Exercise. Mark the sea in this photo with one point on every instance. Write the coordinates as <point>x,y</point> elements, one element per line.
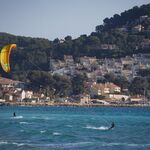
<point>74,128</point>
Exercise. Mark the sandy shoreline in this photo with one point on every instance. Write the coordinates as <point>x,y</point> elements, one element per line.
<point>73,104</point>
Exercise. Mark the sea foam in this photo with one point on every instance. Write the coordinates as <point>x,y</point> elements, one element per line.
<point>3,142</point>
<point>17,117</point>
<point>42,131</point>
<point>56,133</point>
<point>24,123</point>
<point>97,128</point>
<point>125,144</point>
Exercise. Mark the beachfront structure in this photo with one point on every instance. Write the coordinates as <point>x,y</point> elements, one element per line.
<point>137,98</point>
<point>116,97</point>
<point>21,95</point>
<point>13,95</point>
<point>39,97</point>
<point>97,101</point>
<point>100,89</point>
<point>85,99</point>
<point>8,97</point>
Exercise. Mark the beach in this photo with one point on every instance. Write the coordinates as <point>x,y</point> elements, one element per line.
<point>69,104</point>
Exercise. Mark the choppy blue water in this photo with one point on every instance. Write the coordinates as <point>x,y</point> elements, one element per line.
<point>72,128</point>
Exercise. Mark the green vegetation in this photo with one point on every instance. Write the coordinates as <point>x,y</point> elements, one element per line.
<point>125,18</point>
<point>56,85</point>
<point>115,38</point>
<point>138,85</point>
<point>78,84</point>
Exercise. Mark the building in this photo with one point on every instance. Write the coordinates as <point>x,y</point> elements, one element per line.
<point>137,28</point>
<point>137,98</point>
<point>99,89</point>
<point>87,61</point>
<point>69,61</point>
<point>85,99</point>
<point>120,97</point>
<point>22,95</point>
<point>108,46</point>
<point>127,67</point>
<point>8,83</point>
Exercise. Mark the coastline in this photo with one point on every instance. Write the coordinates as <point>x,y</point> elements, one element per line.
<point>72,104</point>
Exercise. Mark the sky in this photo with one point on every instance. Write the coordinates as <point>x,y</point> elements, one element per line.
<point>58,18</point>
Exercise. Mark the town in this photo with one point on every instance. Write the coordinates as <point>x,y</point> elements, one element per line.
<point>97,92</point>
<point>109,67</point>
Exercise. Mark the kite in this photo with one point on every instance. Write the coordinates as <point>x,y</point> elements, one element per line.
<point>5,55</point>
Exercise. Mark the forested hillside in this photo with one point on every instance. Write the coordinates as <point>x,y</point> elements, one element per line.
<point>121,35</point>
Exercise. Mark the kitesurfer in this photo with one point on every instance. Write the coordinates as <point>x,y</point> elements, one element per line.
<point>14,114</point>
<point>112,126</point>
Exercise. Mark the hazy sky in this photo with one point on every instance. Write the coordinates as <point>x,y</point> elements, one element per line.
<point>58,18</point>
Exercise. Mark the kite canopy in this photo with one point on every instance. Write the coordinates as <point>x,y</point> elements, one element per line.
<point>5,55</point>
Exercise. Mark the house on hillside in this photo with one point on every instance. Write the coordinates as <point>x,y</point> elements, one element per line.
<point>108,46</point>
<point>127,67</point>
<point>8,97</point>
<point>39,97</point>
<point>8,83</point>
<point>100,89</point>
<point>56,64</point>
<point>8,94</point>
<point>87,61</point>
<point>20,96</point>
<point>137,28</point>
<point>69,61</point>
<point>142,18</point>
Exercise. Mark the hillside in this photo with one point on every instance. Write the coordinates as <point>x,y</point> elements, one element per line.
<point>121,35</point>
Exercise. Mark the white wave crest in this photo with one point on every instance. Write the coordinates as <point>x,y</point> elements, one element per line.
<point>64,145</point>
<point>97,128</point>
<point>56,133</point>
<point>18,144</point>
<point>126,144</point>
<point>42,131</point>
<point>24,123</point>
<point>3,142</point>
<point>73,145</point>
<point>17,117</point>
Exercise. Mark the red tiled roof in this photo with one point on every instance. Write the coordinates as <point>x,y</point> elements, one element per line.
<point>8,81</point>
<point>106,85</point>
<point>137,96</point>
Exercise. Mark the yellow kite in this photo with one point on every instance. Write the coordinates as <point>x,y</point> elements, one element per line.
<point>5,55</point>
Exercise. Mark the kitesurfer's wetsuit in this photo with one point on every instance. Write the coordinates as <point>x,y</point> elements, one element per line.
<point>112,126</point>
<point>14,114</point>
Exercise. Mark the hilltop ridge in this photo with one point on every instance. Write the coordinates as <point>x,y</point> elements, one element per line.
<point>119,36</point>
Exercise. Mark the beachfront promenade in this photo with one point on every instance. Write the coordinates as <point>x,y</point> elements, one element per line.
<point>71,104</point>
